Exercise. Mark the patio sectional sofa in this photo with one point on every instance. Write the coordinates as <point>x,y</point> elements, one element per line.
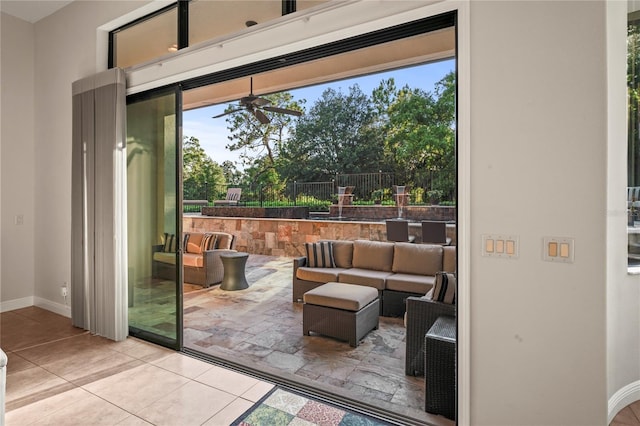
<point>201,257</point>
<point>397,270</point>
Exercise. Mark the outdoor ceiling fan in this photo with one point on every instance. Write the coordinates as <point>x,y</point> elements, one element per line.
<point>255,105</point>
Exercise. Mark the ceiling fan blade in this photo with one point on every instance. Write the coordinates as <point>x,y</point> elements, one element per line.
<point>283,110</point>
<point>227,113</point>
<point>261,117</point>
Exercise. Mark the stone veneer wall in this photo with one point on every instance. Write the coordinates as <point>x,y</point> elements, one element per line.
<point>286,237</point>
<point>417,213</point>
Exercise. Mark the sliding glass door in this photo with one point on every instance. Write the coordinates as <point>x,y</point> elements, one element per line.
<point>154,217</point>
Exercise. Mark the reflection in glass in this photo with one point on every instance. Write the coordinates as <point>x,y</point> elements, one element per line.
<point>146,40</point>
<point>152,216</point>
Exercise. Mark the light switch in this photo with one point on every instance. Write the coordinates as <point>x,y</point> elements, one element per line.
<point>488,245</point>
<point>500,246</point>
<point>558,249</point>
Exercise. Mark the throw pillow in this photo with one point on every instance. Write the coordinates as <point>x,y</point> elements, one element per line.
<point>320,255</point>
<point>444,289</point>
<point>208,242</point>
<point>169,243</point>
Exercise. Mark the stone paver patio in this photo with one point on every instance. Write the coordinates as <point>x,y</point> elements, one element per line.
<point>261,327</point>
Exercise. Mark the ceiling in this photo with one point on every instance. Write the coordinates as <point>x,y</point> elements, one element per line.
<point>428,47</point>
<point>32,10</point>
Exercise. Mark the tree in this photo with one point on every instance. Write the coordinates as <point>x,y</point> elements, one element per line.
<point>633,91</point>
<point>419,133</point>
<point>231,173</point>
<point>200,174</point>
<point>261,143</point>
<point>337,135</point>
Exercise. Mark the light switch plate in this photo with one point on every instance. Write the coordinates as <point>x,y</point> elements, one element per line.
<point>558,249</point>
<point>505,246</point>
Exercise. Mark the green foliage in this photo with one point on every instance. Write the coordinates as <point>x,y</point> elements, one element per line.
<point>259,141</point>
<point>419,132</point>
<point>337,135</point>
<point>231,173</point>
<point>633,90</point>
<point>434,196</point>
<point>407,131</point>
<point>200,173</point>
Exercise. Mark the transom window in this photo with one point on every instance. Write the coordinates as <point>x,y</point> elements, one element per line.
<point>186,23</point>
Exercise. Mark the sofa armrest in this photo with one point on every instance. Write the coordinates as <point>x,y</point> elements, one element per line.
<point>297,263</point>
<point>421,314</point>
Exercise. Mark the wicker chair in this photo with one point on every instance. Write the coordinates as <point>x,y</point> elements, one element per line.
<point>398,230</point>
<point>421,314</point>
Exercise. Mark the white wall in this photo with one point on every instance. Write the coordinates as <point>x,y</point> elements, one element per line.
<point>17,163</point>
<point>65,46</point>
<point>539,167</point>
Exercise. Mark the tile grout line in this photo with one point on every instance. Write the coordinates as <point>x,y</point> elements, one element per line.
<point>49,342</point>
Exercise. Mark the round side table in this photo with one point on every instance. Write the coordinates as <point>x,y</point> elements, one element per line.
<point>234,265</point>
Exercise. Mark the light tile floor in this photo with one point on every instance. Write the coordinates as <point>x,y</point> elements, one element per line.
<point>58,374</point>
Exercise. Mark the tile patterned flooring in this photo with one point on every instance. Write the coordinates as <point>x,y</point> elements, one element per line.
<point>58,374</point>
<point>261,327</point>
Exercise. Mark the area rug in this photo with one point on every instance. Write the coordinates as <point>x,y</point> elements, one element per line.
<point>281,407</point>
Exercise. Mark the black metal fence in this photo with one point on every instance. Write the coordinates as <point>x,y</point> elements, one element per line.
<point>368,188</point>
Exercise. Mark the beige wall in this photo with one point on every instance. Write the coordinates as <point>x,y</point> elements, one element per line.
<point>538,153</point>
<point>17,192</point>
<point>65,46</point>
<point>539,167</point>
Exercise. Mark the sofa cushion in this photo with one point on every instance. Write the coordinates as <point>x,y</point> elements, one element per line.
<point>320,255</point>
<point>366,277</point>
<point>374,255</point>
<point>194,260</point>
<point>193,242</point>
<point>170,244</point>
<point>163,257</point>
<point>449,262</point>
<point>444,289</point>
<point>199,242</point>
<point>224,240</point>
<point>208,242</point>
<point>318,275</point>
<point>341,296</point>
<point>409,283</point>
<point>419,259</point>
<point>343,253</point>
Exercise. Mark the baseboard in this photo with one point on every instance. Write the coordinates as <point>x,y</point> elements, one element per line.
<point>623,397</point>
<point>54,307</point>
<point>12,305</point>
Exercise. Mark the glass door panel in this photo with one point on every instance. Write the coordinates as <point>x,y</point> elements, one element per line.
<point>154,219</point>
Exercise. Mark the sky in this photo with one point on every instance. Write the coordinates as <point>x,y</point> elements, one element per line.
<point>212,132</point>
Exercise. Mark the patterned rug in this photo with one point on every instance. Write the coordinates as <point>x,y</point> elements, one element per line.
<point>281,407</point>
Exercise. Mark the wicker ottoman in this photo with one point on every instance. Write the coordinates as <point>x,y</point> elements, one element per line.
<point>440,367</point>
<point>343,311</point>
